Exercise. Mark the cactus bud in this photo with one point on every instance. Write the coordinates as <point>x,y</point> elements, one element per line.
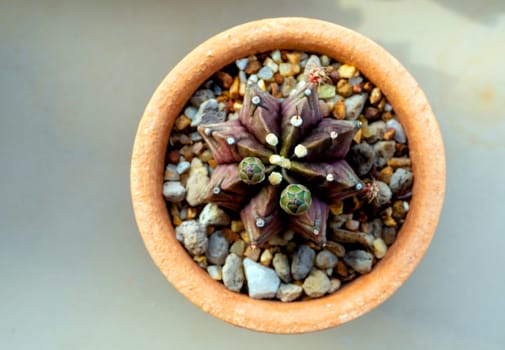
<point>295,199</point>
<point>251,170</point>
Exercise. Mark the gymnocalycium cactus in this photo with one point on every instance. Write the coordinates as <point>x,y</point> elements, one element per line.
<point>281,164</point>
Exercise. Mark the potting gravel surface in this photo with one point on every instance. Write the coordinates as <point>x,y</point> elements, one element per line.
<point>360,229</point>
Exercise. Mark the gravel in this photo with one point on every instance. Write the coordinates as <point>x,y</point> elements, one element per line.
<point>173,191</point>
<point>401,180</point>
<point>218,248</point>
<point>194,236</point>
<point>289,292</point>
<point>354,106</point>
<point>326,259</point>
<point>281,266</point>
<point>316,284</point>
<point>359,260</point>
<point>262,282</point>
<point>303,261</point>
<point>213,215</point>
<point>197,183</point>
<point>233,274</point>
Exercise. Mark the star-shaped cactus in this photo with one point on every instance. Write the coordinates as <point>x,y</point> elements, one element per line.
<point>281,164</point>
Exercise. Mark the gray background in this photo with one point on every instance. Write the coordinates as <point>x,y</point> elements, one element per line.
<point>74,80</point>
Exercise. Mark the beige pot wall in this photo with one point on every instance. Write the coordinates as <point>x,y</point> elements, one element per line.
<point>426,152</point>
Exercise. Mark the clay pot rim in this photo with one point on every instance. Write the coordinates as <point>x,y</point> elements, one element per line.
<point>426,151</point>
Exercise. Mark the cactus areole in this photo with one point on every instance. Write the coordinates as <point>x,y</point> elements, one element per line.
<point>281,164</point>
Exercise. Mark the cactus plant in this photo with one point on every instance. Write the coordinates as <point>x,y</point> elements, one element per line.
<point>281,164</point>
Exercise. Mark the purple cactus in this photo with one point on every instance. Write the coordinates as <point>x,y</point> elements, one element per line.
<point>281,164</point>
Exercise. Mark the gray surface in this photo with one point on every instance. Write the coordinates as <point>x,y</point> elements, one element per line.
<point>74,79</point>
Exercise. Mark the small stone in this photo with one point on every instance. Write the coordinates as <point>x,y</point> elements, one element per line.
<point>276,56</point>
<point>287,86</point>
<point>387,218</point>
<point>217,249</point>
<point>238,247</point>
<point>352,225</point>
<point>215,272</point>
<point>325,110</point>
<point>262,282</point>
<point>326,260</point>
<point>375,95</point>
<point>190,112</point>
<point>253,67</point>
<point>262,85</point>
<point>384,151</point>
<point>194,236</point>
<point>303,261</point>
<point>397,162</point>
<point>383,195</point>
<point>173,191</point>
<point>182,167</point>
<point>173,156</point>
<point>362,157</point>
<point>379,248</point>
<point>344,88</point>
<point>236,225</point>
<point>371,113</point>
<point>225,79</point>
<point>288,292</point>
<point>354,106</point>
<point>197,184</point>
<point>266,257</point>
<point>213,215</point>
<point>336,248</point>
<point>326,91</point>
<point>171,173</point>
<point>346,71</point>
<point>401,180</point>
<point>376,131</point>
<point>359,260</point>
<point>235,89</point>
<point>288,69</point>
<point>208,113</point>
<point>337,208</point>
<point>288,235</point>
<point>265,73</point>
<point>389,235</point>
<point>339,110</point>
<point>385,174</point>
<point>294,57</point>
<point>233,275</point>
<point>399,133</point>
<point>325,60</point>
<point>281,266</point>
<point>252,253</point>
<point>200,97</point>
<point>242,63</point>
<point>270,63</point>
<point>182,122</point>
<point>316,284</point>
<point>312,63</point>
<point>201,261</point>
<point>335,284</point>
<point>191,213</point>
<point>206,156</point>
<point>389,134</point>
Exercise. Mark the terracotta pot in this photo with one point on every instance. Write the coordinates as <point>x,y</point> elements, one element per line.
<point>426,152</point>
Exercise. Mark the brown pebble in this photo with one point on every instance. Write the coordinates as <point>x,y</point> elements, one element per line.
<point>210,229</point>
<point>400,209</point>
<point>387,218</point>
<point>176,220</point>
<point>229,235</point>
<point>368,86</point>
<point>212,163</point>
<point>182,122</point>
<point>387,116</point>
<point>252,253</point>
<point>173,156</point>
<point>275,90</point>
<point>344,88</point>
<point>339,110</point>
<point>337,208</point>
<point>401,149</point>
<point>185,139</point>
<point>335,77</point>
<point>356,89</point>
<point>225,79</point>
<point>222,98</point>
<point>389,134</point>
<point>397,162</point>
<point>381,105</point>
<point>385,174</point>
<point>336,248</point>
<point>237,226</point>
<point>341,269</point>
<point>279,79</point>
<point>371,113</point>
<point>234,89</point>
<point>191,213</point>
<point>245,236</point>
<point>253,67</point>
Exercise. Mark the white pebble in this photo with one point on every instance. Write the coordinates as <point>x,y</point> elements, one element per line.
<point>325,60</point>
<point>215,272</point>
<point>242,63</point>
<point>276,56</point>
<point>182,167</point>
<point>379,248</point>
<point>399,133</point>
<point>265,73</point>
